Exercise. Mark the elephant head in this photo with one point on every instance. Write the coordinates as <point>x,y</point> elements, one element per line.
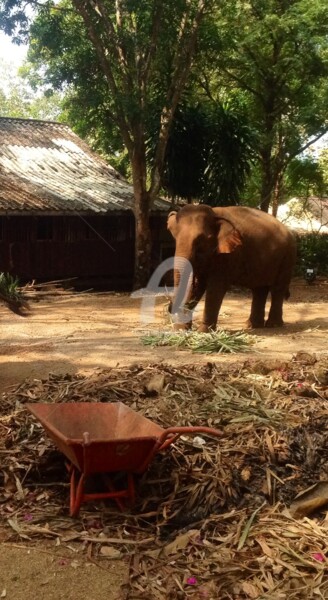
<point>200,235</point>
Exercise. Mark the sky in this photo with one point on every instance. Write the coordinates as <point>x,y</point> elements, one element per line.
<point>11,53</point>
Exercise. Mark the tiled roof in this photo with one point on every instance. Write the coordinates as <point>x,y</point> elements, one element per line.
<point>45,167</point>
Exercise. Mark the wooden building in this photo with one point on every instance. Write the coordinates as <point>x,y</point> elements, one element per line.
<point>64,212</point>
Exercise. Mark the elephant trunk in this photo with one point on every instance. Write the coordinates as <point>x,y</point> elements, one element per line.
<point>187,292</point>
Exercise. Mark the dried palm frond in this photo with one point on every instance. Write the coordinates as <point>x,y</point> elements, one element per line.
<point>210,517</point>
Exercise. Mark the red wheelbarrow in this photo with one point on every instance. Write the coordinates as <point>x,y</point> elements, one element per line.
<point>105,438</point>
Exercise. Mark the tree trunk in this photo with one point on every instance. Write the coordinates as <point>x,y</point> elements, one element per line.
<point>266,186</point>
<point>278,174</point>
<point>266,148</point>
<point>277,194</point>
<point>143,240</point>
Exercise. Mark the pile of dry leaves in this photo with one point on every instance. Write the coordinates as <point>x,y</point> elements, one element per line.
<point>212,518</point>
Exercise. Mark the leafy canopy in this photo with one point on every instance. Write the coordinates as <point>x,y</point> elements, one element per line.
<point>276,53</point>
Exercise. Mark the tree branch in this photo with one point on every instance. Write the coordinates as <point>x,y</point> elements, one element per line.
<point>204,84</point>
<point>183,60</point>
<point>308,144</point>
<point>113,38</point>
<point>242,83</point>
<point>157,15</point>
<point>44,5</point>
<point>107,70</point>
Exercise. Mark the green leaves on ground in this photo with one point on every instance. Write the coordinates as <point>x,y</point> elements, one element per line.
<point>11,294</point>
<point>205,343</point>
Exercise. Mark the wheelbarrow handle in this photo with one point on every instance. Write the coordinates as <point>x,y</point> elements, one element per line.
<point>175,432</point>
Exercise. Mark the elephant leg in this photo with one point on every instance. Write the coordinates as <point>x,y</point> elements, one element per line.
<point>256,318</point>
<point>215,293</point>
<point>275,315</point>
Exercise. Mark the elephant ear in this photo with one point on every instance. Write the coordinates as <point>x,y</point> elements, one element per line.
<point>172,222</point>
<point>229,238</point>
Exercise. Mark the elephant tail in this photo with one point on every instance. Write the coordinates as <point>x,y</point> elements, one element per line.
<point>287,294</point>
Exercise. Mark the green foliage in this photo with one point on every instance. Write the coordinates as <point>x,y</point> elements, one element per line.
<point>185,159</point>
<point>17,99</point>
<point>250,195</point>
<point>62,57</point>
<point>15,20</point>
<point>272,54</point>
<point>11,294</point>
<point>323,163</point>
<point>9,286</point>
<point>209,152</point>
<point>276,53</point>
<point>305,177</point>
<point>231,150</point>
<point>312,251</point>
<point>209,147</point>
<point>204,343</point>
<point>132,60</point>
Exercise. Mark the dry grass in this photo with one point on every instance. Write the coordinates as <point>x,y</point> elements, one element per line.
<point>211,519</point>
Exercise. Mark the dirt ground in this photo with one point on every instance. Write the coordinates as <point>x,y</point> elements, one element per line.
<point>83,332</point>
<point>87,331</point>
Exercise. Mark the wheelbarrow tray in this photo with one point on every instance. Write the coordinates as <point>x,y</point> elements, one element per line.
<point>105,438</point>
<point>117,438</point>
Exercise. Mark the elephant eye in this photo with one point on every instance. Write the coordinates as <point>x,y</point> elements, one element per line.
<point>203,242</point>
<point>201,239</point>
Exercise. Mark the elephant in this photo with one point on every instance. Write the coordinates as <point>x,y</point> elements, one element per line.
<point>233,245</point>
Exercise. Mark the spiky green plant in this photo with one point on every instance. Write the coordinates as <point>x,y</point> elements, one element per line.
<point>10,293</point>
<point>207,343</point>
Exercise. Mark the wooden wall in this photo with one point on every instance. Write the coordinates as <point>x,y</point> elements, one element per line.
<point>92,248</point>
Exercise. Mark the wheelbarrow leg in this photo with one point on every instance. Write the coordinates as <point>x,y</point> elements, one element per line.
<point>107,480</point>
<point>131,489</point>
<point>129,493</point>
<point>76,492</point>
